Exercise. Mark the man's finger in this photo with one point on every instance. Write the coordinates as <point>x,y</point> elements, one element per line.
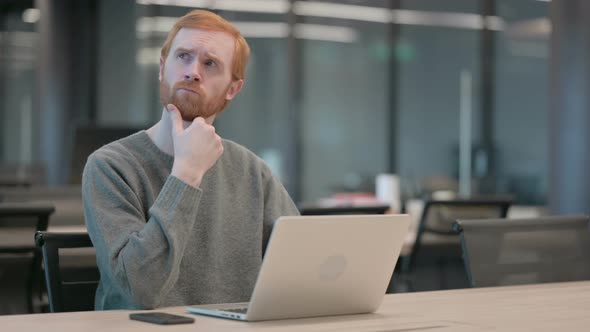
<point>176,118</point>
<point>210,119</point>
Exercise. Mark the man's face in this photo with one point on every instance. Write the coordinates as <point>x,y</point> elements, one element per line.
<point>196,74</point>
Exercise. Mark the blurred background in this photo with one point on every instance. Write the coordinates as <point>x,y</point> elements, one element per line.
<point>336,92</point>
<point>437,98</point>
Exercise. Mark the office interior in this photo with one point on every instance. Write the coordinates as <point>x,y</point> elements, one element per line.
<point>437,99</point>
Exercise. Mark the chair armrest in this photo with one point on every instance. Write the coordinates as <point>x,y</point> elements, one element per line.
<point>63,239</point>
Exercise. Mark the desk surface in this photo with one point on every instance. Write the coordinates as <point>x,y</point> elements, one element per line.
<point>24,238</point>
<point>546,307</point>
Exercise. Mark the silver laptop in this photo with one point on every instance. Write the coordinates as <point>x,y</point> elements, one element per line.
<point>322,266</point>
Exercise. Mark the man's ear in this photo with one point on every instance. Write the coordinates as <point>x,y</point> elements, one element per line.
<point>161,74</point>
<point>234,88</point>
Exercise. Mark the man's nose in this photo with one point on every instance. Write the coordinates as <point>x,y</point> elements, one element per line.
<point>193,73</point>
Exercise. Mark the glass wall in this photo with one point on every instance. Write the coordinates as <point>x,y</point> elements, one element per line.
<point>438,41</point>
<point>19,47</point>
<point>522,99</point>
<point>375,84</point>
<point>349,64</point>
<point>345,105</point>
<point>19,134</point>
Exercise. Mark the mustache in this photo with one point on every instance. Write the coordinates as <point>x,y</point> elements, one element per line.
<point>188,85</point>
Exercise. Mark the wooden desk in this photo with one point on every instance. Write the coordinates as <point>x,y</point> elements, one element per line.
<point>545,307</point>
<point>24,239</point>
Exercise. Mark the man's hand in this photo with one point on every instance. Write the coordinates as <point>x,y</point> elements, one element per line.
<point>196,148</point>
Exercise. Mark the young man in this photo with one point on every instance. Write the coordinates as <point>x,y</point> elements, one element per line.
<point>178,215</point>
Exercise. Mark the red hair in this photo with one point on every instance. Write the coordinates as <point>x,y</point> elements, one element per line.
<point>206,20</point>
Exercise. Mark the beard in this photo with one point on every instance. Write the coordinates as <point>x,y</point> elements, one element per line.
<point>192,105</point>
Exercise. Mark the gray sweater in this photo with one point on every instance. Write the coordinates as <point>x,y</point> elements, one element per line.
<point>160,242</point>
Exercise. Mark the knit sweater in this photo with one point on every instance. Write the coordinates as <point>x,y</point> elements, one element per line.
<point>160,242</point>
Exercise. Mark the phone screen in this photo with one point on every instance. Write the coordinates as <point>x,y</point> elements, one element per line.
<point>161,318</point>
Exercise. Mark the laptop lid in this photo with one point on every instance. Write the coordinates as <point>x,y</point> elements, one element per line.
<point>326,265</point>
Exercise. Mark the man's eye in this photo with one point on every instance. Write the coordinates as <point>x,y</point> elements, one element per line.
<point>209,63</point>
<point>183,56</point>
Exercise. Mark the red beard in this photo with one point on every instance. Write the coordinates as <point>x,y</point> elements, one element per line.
<point>193,103</point>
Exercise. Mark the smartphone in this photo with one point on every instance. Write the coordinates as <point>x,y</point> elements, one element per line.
<point>161,318</point>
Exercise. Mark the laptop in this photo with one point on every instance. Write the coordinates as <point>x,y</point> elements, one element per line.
<point>321,266</point>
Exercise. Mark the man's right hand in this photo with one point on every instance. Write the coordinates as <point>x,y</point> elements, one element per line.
<point>196,148</point>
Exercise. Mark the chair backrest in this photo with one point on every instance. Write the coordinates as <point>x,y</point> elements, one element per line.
<point>522,251</point>
<point>438,217</point>
<point>64,292</point>
<point>87,139</point>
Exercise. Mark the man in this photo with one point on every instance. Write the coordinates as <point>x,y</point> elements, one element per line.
<point>178,215</point>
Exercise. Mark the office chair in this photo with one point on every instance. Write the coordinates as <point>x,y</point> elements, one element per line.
<point>87,139</point>
<point>436,221</point>
<point>500,252</point>
<point>65,294</point>
<point>18,224</point>
<point>435,239</point>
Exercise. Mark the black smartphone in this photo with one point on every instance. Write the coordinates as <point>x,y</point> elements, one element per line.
<point>161,318</point>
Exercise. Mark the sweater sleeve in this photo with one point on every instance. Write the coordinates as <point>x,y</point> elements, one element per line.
<point>277,203</point>
<point>140,255</point>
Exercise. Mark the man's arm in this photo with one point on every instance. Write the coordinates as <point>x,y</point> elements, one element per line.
<point>277,203</point>
<point>140,254</point>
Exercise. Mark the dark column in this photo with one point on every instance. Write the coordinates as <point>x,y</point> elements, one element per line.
<point>65,79</point>
<point>393,36</point>
<point>486,177</point>
<point>293,132</point>
<point>54,84</point>
<point>569,156</point>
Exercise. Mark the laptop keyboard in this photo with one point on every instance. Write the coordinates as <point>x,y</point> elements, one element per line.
<point>237,310</point>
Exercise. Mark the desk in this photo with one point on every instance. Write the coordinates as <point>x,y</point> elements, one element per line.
<point>67,200</point>
<point>545,307</point>
<point>23,239</point>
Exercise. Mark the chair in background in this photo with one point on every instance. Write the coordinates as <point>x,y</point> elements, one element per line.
<point>67,291</point>
<point>87,139</point>
<point>435,239</point>
<point>500,252</point>
<point>18,224</point>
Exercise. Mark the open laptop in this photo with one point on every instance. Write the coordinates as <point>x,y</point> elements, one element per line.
<point>322,266</point>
